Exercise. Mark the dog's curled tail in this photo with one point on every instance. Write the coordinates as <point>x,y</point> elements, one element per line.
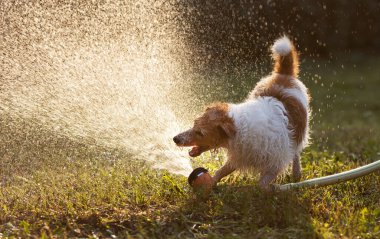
<point>285,57</point>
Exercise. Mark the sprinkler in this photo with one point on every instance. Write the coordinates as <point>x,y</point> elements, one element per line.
<point>201,181</point>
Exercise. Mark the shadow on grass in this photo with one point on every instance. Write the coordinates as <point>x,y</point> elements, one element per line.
<point>230,212</point>
<point>235,211</point>
<point>247,211</point>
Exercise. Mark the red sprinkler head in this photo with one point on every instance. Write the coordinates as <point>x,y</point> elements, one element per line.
<point>201,181</point>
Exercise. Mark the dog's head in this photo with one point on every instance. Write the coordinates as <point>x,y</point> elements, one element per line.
<point>210,131</point>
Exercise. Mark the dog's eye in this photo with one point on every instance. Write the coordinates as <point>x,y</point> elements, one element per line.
<point>199,133</point>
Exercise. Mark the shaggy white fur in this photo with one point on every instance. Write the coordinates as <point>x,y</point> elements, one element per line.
<point>300,93</point>
<point>282,46</point>
<point>262,141</point>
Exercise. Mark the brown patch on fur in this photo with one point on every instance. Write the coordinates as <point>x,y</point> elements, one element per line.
<point>297,113</point>
<point>287,65</point>
<point>215,126</point>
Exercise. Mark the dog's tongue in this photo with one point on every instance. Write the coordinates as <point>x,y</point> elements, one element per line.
<point>195,151</point>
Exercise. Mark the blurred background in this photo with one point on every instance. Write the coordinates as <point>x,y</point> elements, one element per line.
<point>238,32</point>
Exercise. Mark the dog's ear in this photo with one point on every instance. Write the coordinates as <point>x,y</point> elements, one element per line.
<point>228,129</point>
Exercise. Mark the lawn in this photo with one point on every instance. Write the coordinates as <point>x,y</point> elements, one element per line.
<point>52,186</point>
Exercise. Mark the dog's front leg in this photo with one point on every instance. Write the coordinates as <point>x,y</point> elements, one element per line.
<point>222,172</point>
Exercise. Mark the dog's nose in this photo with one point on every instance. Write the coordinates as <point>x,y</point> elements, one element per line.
<point>176,139</point>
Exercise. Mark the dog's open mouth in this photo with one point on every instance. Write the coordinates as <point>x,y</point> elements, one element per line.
<point>197,150</point>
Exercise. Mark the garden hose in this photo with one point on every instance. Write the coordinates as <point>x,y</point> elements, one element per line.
<point>335,178</point>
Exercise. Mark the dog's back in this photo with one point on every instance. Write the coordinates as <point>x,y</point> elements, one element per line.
<point>283,85</point>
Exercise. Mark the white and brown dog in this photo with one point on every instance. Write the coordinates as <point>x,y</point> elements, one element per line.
<point>265,133</point>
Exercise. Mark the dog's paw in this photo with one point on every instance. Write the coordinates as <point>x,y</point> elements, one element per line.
<point>275,187</point>
<point>214,182</point>
<point>270,188</point>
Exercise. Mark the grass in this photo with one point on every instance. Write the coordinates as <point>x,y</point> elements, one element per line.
<point>51,186</point>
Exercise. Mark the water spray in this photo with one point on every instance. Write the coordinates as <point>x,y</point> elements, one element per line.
<point>117,84</point>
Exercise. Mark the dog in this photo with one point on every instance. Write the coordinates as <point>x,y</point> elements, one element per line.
<point>264,134</point>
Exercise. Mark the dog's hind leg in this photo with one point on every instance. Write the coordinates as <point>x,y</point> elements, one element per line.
<point>296,168</point>
<point>266,179</point>
<point>222,172</point>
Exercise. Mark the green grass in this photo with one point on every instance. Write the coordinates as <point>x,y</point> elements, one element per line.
<point>51,186</point>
